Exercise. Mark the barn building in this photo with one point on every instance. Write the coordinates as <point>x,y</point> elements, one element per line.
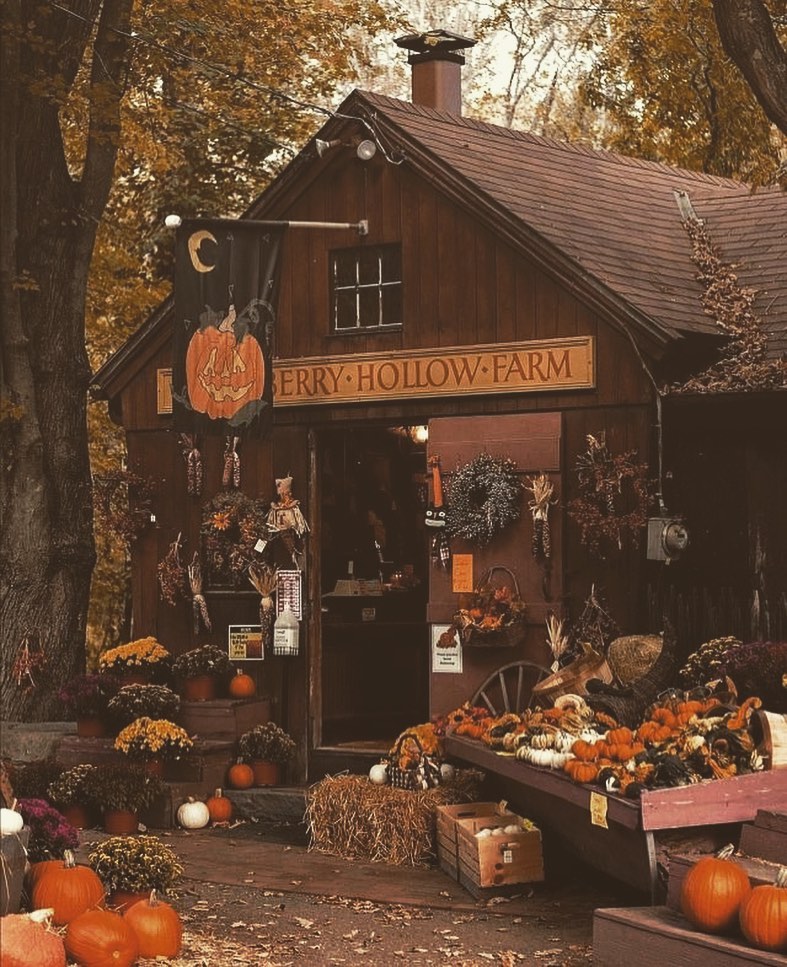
<point>497,294</point>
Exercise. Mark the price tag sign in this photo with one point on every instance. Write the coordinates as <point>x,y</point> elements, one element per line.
<point>598,810</point>
<point>288,592</point>
<point>462,574</point>
<point>245,643</point>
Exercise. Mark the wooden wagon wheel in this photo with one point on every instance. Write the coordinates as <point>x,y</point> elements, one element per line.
<point>510,688</point>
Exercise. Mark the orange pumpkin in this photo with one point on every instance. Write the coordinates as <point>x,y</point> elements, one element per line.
<point>68,889</point>
<point>581,771</point>
<point>157,927</point>
<point>219,807</point>
<point>619,736</point>
<point>712,892</point>
<point>241,775</point>
<point>222,374</point>
<point>763,915</point>
<point>100,938</point>
<point>26,941</point>
<point>585,751</point>
<point>242,685</point>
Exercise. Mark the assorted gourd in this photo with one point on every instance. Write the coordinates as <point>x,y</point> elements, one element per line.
<point>680,740</point>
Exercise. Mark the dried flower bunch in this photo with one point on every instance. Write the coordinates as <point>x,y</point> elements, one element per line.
<point>232,523</point>
<point>172,577</point>
<point>122,787</point>
<point>147,738</point>
<point>122,501</point>
<point>759,668</point>
<point>69,788</point>
<point>134,656</point>
<point>485,496</point>
<point>205,660</point>
<point>88,695</point>
<point>136,864</point>
<point>50,833</point>
<point>134,701</point>
<point>267,741</point>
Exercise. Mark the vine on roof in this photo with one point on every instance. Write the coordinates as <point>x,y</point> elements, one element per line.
<point>743,365</point>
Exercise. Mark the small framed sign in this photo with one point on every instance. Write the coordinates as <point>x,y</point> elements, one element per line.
<point>288,592</point>
<point>245,643</point>
<point>446,650</point>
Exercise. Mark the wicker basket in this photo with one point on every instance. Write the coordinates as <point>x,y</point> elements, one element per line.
<point>506,636</point>
<point>424,775</point>
<point>571,679</point>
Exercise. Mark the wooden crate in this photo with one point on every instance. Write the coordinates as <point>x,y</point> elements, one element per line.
<point>496,861</point>
<point>447,817</point>
<point>223,718</point>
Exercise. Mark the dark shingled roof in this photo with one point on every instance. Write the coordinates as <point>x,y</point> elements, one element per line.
<point>616,217</point>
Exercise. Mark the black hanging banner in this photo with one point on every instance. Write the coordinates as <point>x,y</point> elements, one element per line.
<point>225,297</point>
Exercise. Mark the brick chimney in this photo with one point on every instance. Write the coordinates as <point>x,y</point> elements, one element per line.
<point>436,60</point>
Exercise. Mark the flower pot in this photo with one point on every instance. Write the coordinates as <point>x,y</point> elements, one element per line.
<point>200,688</point>
<point>141,677</point>
<point>120,822</point>
<point>265,773</point>
<point>121,900</point>
<point>154,767</point>
<point>90,727</point>
<point>78,815</point>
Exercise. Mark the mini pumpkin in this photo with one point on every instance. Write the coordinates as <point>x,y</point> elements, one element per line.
<point>240,775</point>
<point>620,736</point>
<point>242,685</point>
<point>585,751</point>
<point>219,807</point>
<point>68,889</point>
<point>157,927</point>
<point>581,771</point>
<point>712,892</point>
<point>100,938</point>
<point>763,915</point>
<point>10,822</point>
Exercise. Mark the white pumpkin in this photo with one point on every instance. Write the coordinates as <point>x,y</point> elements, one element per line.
<point>193,814</point>
<point>10,822</point>
<point>379,774</point>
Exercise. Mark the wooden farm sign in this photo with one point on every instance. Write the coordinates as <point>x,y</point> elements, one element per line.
<point>517,367</point>
<point>553,364</point>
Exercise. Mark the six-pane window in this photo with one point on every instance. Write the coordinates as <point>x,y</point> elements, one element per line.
<point>366,288</point>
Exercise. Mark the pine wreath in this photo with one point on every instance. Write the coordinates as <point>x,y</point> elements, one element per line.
<point>485,496</point>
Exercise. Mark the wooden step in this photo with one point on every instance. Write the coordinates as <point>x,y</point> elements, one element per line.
<point>759,871</point>
<point>223,718</point>
<point>655,936</point>
<point>766,837</point>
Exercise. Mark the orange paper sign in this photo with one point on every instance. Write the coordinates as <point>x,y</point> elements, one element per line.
<point>462,574</point>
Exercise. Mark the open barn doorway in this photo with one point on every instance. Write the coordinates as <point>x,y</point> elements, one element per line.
<point>374,652</point>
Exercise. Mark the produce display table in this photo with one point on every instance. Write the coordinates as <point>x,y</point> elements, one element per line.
<point>622,837</point>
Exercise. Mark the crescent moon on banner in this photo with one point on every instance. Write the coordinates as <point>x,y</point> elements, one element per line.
<point>195,240</point>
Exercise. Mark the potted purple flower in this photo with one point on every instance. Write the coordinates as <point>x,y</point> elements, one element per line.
<point>86,697</point>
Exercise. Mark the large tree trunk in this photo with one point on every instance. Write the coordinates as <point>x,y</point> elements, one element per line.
<point>47,236</point>
<point>748,36</point>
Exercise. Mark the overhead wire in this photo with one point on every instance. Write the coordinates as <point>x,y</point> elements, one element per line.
<point>147,39</point>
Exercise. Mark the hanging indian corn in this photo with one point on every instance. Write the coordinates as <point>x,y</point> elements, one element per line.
<point>263,577</point>
<point>542,489</point>
<point>199,606</point>
<point>231,475</point>
<point>193,458</point>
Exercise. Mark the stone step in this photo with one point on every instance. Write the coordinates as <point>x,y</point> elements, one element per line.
<point>269,804</point>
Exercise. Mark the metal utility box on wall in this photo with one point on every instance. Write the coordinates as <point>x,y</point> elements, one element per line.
<point>667,538</point>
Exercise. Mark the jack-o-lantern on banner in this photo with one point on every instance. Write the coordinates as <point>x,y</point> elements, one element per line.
<point>225,298</point>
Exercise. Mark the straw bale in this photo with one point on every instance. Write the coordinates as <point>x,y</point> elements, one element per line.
<point>352,817</point>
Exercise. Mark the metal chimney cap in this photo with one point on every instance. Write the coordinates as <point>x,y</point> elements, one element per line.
<point>434,41</point>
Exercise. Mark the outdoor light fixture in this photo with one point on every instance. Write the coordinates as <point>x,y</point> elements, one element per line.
<point>173,221</point>
<point>366,150</point>
<point>323,146</point>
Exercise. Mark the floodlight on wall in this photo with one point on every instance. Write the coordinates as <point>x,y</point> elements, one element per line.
<point>323,146</point>
<point>366,150</point>
<point>173,221</point>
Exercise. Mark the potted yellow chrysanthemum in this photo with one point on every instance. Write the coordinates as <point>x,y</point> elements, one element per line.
<point>137,662</point>
<point>153,741</point>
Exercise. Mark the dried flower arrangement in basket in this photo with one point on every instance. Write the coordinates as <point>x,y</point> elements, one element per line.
<point>614,496</point>
<point>494,613</point>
